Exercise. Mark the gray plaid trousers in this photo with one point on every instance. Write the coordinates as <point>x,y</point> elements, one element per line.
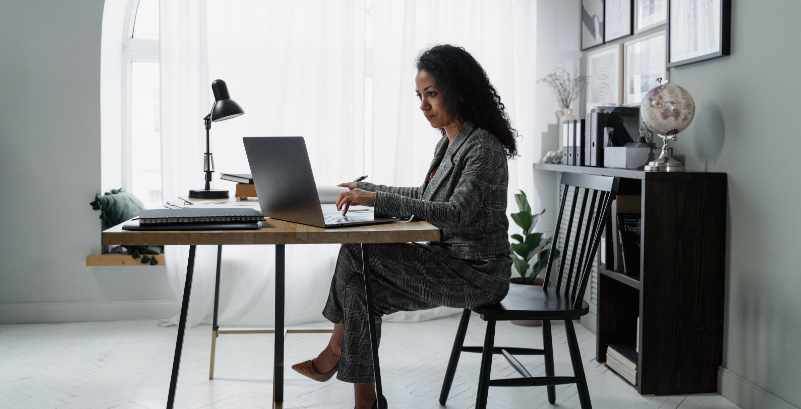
<point>405,277</point>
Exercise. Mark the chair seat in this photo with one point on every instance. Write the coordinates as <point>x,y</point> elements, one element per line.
<point>529,302</point>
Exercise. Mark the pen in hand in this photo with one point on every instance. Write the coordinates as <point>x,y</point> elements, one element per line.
<point>360,178</point>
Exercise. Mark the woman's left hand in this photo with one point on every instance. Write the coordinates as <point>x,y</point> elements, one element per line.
<point>355,197</point>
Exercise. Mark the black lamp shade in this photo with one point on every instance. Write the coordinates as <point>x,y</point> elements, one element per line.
<point>224,107</point>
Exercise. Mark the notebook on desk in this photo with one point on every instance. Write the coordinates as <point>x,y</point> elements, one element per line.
<point>196,218</point>
<point>285,186</point>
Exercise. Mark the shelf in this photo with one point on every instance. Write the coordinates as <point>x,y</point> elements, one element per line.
<point>97,260</point>
<point>629,281</point>
<point>631,173</point>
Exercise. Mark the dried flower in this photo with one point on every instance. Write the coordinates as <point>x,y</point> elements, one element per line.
<point>566,87</point>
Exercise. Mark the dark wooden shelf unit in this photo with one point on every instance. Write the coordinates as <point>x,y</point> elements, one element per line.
<point>679,294</point>
<point>628,280</point>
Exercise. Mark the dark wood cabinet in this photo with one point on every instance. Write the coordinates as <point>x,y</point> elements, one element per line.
<point>679,292</point>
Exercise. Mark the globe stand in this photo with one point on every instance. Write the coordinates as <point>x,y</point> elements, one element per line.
<point>665,163</point>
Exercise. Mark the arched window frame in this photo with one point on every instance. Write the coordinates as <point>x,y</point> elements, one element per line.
<point>133,50</point>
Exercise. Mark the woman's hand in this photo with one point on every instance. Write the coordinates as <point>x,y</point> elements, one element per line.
<point>349,185</point>
<point>355,197</point>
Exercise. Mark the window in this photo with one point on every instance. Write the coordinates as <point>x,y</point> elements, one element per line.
<point>141,145</point>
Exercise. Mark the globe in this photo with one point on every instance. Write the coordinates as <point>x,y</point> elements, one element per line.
<point>667,110</point>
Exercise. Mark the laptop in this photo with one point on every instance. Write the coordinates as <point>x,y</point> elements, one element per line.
<point>285,186</point>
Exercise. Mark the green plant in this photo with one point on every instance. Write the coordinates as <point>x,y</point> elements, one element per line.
<point>529,244</point>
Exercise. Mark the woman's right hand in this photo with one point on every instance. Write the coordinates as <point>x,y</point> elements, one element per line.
<point>349,185</point>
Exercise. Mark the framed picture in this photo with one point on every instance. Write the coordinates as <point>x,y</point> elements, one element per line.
<point>697,30</point>
<point>649,14</point>
<point>605,75</point>
<point>592,23</point>
<point>617,15</point>
<point>644,63</point>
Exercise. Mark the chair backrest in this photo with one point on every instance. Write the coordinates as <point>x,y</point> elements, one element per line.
<point>593,194</point>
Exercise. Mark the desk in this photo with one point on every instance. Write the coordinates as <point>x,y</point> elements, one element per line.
<point>278,233</point>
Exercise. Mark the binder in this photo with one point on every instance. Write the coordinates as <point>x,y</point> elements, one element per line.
<point>571,143</point>
<point>579,126</point>
<point>565,144</point>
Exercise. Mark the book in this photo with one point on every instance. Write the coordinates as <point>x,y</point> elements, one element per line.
<point>238,178</point>
<point>134,225</point>
<point>199,215</point>
<point>623,359</point>
<point>628,225</point>
<point>245,190</point>
<point>621,204</point>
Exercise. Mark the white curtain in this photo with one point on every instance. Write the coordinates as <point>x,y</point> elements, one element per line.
<point>500,34</point>
<point>297,68</point>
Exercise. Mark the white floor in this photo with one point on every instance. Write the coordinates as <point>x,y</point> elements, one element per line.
<point>126,364</point>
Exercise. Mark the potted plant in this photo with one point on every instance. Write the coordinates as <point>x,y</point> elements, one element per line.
<point>530,246</point>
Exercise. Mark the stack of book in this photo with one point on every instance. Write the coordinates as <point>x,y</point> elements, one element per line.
<point>622,358</point>
<point>244,184</point>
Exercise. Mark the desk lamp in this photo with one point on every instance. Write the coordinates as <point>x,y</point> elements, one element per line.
<point>224,108</point>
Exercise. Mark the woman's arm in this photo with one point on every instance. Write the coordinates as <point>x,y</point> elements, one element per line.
<point>480,177</point>
<point>412,192</point>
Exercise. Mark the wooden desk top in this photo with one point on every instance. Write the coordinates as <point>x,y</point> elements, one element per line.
<point>279,232</point>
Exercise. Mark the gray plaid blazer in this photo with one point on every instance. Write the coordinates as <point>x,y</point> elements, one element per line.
<point>466,199</point>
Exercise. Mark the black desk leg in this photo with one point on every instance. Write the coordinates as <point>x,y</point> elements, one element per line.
<point>214,325</point>
<point>278,360</point>
<point>176,362</point>
<point>379,393</point>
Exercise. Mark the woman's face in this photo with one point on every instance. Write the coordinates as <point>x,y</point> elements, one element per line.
<point>431,101</point>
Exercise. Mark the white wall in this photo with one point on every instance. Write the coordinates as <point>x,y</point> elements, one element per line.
<point>50,171</point>
<point>557,46</point>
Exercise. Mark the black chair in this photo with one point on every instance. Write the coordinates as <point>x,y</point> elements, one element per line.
<point>562,300</point>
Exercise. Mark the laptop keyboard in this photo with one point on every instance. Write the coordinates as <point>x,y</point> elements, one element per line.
<point>337,217</point>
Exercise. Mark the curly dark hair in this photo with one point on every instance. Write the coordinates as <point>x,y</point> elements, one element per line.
<point>468,93</point>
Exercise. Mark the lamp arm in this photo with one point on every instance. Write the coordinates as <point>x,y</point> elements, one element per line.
<point>208,161</point>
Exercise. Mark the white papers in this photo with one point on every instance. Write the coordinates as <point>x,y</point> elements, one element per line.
<point>329,194</point>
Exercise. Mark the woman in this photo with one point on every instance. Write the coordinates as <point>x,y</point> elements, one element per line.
<point>463,194</point>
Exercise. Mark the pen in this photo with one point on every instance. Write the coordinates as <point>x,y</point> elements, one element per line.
<point>360,178</point>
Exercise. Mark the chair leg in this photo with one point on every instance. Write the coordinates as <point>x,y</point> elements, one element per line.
<point>486,366</point>
<point>547,341</point>
<point>578,367</point>
<point>455,353</point>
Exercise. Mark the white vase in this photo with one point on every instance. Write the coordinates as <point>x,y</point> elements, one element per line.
<point>563,115</point>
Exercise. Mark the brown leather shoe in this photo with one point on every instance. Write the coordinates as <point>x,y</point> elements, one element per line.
<point>306,368</point>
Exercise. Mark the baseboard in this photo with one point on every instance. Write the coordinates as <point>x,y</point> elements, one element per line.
<point>747,395</point>
<point>29,313</point>
<point>590,321</point>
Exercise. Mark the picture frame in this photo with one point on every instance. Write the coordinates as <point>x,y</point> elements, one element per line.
<point>704,35</point>
<point>605,76</point>
<point>645,60</point>
<point>618,19</point>
<point>592,23</point>
<point>649,14</point>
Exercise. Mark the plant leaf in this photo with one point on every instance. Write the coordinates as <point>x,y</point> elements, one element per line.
<point>520,265</point>
<point>518,238</point>
<point>522,202</point>
<point>523,220</point>
<point>535,218</point>
<point>532,242</point>
<point>522,249</point>
<point>543,244</point>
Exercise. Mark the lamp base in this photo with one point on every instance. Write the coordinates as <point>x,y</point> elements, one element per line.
<point>208,194</point>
